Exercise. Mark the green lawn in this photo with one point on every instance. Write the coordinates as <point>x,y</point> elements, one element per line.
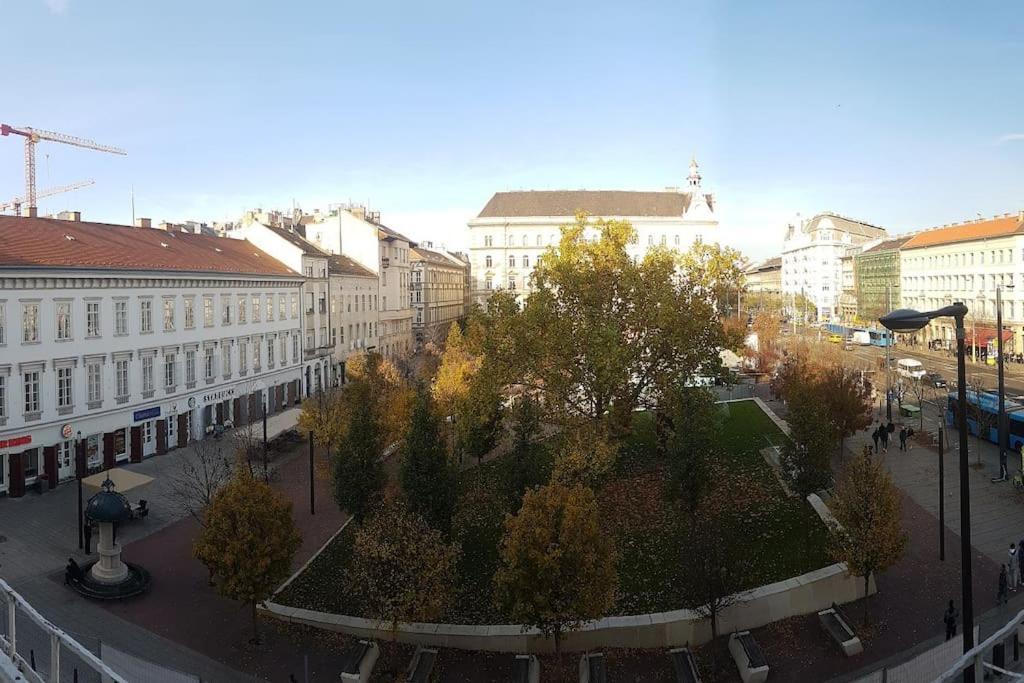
<point>634,511</point>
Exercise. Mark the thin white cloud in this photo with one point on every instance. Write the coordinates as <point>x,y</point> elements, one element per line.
<point>57,6</point>
<point>1012,137</point>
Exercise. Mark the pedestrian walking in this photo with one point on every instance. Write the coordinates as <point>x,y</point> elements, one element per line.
<point>1014,567</point>
<point>1002,593</point>
<point>950,619</point>
<point>883,435</point>
<point>903,438</point>
<point>875,436</point>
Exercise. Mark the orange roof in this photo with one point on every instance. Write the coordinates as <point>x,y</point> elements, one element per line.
<point>967,232</point>
<point>54,243</point>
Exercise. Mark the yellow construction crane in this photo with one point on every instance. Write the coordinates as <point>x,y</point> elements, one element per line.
<point>49,192</point>
<point>33,136</point>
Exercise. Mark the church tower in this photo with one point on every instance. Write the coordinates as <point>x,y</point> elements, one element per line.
<point>694,177</point>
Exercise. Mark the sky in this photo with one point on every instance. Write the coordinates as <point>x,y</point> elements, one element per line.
<point>905,115</point>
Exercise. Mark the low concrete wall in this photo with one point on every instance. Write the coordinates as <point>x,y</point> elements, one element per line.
<point>805,594</point>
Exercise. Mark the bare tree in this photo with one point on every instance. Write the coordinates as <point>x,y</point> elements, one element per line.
<point>199,475</point>
<point>247,446</point>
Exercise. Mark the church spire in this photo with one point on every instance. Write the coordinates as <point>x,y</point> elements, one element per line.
<point>694,177</point>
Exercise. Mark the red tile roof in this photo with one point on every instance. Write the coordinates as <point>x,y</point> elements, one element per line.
<point>966,232</point>
<point>53,243</point>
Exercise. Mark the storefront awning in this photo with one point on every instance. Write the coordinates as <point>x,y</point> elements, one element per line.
<point>124,480</point>
<point>981,336</point>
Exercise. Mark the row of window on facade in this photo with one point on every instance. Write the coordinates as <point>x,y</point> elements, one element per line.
<point>64,315</point>
<point>512,283</point>
<point>967,258</point>
<point>973,284</point>
<point>64,373</point>
<point>510,240</point>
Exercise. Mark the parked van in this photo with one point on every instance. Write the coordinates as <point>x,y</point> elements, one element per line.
<point>910,368</point>
<point>861,338</point>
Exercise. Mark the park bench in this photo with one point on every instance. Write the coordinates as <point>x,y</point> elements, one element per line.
<point>592,669</point>
<point>357,665</point>
<point>421,665</point>
<point>839,628</point>
<point>749,658</point>
<point>685,665</point>
<point>525,669</point>
<point>910,411</point>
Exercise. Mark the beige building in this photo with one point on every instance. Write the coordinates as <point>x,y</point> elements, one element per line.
<point>764,277</point>
<point>354,317</point>
<point>437,294</point>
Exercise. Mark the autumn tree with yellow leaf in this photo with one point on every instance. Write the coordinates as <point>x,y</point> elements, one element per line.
<point>557,565</point>
<point>247,541</point>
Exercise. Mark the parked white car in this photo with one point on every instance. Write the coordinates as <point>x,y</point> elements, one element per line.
<point>910,368</point>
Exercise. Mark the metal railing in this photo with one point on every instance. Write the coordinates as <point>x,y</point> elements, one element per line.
<point>9,643</point>
<point>975,657</point>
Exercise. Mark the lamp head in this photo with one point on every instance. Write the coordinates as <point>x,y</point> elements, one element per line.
<point>904,320</point>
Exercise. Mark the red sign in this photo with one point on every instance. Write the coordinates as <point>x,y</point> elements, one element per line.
<point>16,441</point>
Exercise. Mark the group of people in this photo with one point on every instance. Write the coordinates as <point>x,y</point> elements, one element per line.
<point>1011,574</point>
<point>883,432</point>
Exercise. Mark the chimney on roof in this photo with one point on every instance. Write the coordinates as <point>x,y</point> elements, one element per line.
<point>143,222</point>
<point>73,216</point>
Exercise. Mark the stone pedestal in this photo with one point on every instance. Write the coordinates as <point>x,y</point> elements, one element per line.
<point>109,569</point>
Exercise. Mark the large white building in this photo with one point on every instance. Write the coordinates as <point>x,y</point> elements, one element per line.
<point>967,262</point>
<point>117,343</point>
<point>354,316</point>
<point>515,228</point>
<point>812,257</point>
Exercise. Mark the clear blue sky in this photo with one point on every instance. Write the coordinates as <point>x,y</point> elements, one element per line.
<point>901,114</point>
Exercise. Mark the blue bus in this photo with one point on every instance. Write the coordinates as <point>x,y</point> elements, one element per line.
<point>878,337</point>
<point>985,406</point>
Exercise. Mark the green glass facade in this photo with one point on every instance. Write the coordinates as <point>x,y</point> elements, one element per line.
<point>874,271</point>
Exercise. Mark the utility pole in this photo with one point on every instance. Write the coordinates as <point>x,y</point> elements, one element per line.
<point>888,367</point>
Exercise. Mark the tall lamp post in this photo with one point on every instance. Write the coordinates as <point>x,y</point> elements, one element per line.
<point>1001,419</point>
<point>908,321</point>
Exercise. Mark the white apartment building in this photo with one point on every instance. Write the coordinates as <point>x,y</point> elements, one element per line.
<point>354,317</point>
<point>117,343</point>
<point>812,254</point>
<point>437,294</point>
<point>515,228</point>
<point>302,256</point>
<point>966,262</point>
<point>361,236</point>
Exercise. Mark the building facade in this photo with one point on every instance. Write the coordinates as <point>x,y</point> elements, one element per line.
<point>514,229</point>
<point>117,343</point>
<point>354,232</point>
<point>764,277</point>
<point>354,319</point>
<point>812,254</point>
<point>437,294</point>
<point>878,280</point>
<point>967,262</point>
<point>302,256</point>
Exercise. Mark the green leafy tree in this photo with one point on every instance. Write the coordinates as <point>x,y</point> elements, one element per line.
<point>847,400</point>
<point>402,569</point>
<point>557,565</point>
<point>805,455</point>
<point>868,535</point>
<point>717,271</point>
<point>358,473</point>
<point>600,334</point>
<point>478,414</point>
<point>248,541</point>
<point>692,443</point>
<point>526,469</point>
<point>426,475</point>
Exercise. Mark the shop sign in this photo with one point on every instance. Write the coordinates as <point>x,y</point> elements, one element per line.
<point>148,413</point>
<point>215,396</point>
<point>16,441</point>
<point>66,431</point>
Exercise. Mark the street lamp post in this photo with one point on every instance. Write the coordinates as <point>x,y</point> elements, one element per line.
<point>1001,418</point>
<point>79,473</point>
<point>907,321</point>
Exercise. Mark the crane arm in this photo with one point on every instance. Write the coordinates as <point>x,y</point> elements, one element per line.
<point>36,134</point>
<point>48,192</point>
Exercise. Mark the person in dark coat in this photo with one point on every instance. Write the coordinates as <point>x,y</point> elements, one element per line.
<point>950,618</point>
<point>875,436</point>
<point>883,435</point>
<point>903,438</point>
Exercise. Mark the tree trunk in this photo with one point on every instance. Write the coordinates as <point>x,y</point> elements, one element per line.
<point>558,642</point>
<point>255,625</point>
<point>867,581</point>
